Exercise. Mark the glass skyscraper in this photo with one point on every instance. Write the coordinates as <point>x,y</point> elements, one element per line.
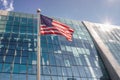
<point>80,59</point>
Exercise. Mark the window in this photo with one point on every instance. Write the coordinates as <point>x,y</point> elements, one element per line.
<point>52,59</point>
<point>9,59</point>
<point>22,77</point>
<point>1,59</point>
<point>7,68</point>
<point>23,68</point>
<point>64,72</point>
<point>32,77</point>
<point>59,60</point>
<point>0,67</point>
<point>82,71</point>
<point>45,59</point>
<point>53,70</point>
<point>59,71</point>
<point>46,70</point>
<point>16,68</point>
<point>75,71</point>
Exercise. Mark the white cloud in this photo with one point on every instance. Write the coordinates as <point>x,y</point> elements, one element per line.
<point>7,5</point>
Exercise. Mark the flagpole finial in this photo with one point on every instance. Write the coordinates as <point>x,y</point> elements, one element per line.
<point>38,10</point>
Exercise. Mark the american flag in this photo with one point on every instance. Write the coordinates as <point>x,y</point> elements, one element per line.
<point>51,26</point>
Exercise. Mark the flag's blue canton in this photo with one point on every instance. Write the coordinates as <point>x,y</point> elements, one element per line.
<point>46,21</point>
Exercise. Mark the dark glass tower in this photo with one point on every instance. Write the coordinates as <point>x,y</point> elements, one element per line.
<point>60,59</point>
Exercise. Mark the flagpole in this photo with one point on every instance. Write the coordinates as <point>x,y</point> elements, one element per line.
<point>38,45</point>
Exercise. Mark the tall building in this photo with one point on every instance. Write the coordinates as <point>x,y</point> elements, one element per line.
<point>92,55</point>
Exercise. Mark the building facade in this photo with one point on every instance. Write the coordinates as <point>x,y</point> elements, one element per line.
<point>81,59</point>
<point>107,40</point>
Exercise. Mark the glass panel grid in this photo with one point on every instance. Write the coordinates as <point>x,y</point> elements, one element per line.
<point>60,59</point>
<point>17,47</point>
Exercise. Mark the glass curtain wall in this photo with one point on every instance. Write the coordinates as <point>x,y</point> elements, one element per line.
<point>18,46</point>
<point>76,60</point>
<point>111,37</point>
<point>60,59</point>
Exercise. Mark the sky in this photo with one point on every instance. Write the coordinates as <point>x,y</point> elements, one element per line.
<point>98,11</point>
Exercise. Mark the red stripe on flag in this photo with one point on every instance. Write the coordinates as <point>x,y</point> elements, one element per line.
<point>54,32</point>
<point>68,37</point>
<point>55,28</point>
<point>56,23</point>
